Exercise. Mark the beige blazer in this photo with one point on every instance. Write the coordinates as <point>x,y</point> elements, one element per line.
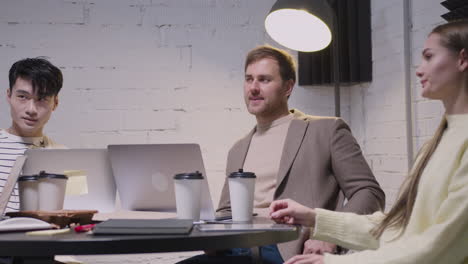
<point>321,165</point>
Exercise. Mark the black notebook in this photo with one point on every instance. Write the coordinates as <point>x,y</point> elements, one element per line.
<point>144,227</point>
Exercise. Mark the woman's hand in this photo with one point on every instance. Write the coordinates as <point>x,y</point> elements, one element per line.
<point>306,259</point>
<point>290,212</point>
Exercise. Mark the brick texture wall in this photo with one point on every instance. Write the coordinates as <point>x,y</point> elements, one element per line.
<point>377,110</point>
<point>146,71</point>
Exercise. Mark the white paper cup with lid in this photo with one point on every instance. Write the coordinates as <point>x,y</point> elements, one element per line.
<point>188,195</point>
<point>28,192</point>
<point>241,193</point>
<point>51,189</point>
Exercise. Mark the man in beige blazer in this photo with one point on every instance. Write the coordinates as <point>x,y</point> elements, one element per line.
<point>311,159</point>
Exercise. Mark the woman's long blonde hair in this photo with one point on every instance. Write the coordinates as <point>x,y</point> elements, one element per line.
<point>454,37</point>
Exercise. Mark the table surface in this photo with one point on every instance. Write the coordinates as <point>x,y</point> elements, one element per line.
<point>20,244</point>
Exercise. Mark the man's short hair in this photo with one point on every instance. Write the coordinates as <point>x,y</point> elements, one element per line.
<point>46,79</point>
<point>285,61</point>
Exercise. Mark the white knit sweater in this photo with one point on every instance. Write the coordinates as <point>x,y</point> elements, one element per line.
<point>437,231</point>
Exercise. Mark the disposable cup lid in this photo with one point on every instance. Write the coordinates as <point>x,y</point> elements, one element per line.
<point>44,175</point>
<point>189,176</point>
<point>27,178</point>
<point>242,174</point>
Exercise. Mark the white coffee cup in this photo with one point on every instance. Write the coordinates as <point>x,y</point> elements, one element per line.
<point>51,189</point>
<point>188,195</point>
<point>28,192</point>
<point>241,193</point>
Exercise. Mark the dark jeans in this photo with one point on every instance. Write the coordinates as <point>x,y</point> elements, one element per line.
<point>6,260</point>
<point>270,255</point>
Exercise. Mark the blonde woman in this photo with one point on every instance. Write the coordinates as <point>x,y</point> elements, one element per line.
<point>429,221</point>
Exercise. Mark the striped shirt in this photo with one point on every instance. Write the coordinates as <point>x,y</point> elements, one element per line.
<point>11,147</point>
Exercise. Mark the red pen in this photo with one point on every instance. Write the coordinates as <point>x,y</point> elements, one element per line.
<point>84,228</point>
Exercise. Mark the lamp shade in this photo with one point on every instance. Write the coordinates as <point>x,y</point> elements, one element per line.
<point>302,25</point>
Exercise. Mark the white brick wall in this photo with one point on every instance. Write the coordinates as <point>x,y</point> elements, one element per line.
<point>428,113</point>
<point>139,71</point>
<point>380,122</point>
<point>160,71</point>
<point>147,71</point>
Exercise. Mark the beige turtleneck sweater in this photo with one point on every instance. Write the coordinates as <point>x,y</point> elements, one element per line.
<point>263,158</point>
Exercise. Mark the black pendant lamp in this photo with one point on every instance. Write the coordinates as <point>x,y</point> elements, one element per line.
<point>307,26</point>
<point>301,25</point>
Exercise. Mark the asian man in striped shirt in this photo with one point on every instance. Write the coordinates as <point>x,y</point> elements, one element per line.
<point>32,96</point>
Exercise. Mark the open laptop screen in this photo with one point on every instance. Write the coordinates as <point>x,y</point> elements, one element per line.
<point>93,163</point>
<point>144,175</point>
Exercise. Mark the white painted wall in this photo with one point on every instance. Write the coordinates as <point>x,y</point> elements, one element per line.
<point>378,109</point>
<point>170,71</point>
<point>146,71</point>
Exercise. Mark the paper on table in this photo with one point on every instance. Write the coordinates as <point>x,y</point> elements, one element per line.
<point>48,232</point>
<point>77,183</point>
<point>235,227</point>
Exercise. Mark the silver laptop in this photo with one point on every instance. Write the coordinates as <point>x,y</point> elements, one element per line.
<point>144,175</point>
<point>10,184</point>
<point>101,193</point>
